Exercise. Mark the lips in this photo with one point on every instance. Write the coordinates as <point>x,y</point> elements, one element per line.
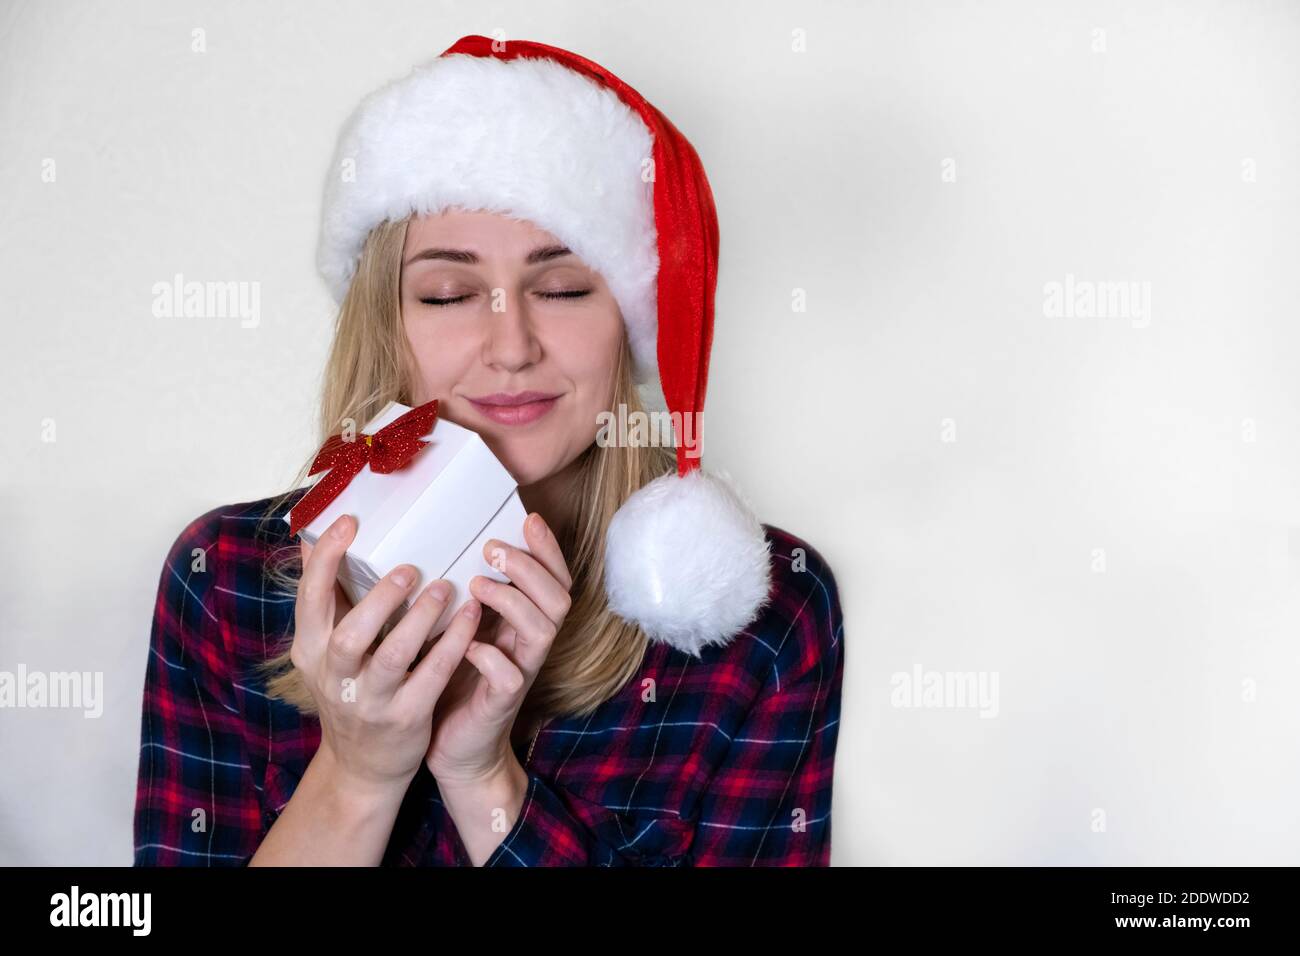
<point>519,408</point>
<point>516,398</point>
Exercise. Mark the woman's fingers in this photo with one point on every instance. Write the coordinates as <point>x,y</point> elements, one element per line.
<point>314,608</point>
<point>388,665</point>
<point>342,603</point>
<point>352,638</point>
<point>531,577</point>
<point>544,546</point>
<point>504,681</point>
<point>430,677</point>
<point>534,631</point>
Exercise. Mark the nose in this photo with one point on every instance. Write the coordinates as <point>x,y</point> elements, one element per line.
<point>512,341</point>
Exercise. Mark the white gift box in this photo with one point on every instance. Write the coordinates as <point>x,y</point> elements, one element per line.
<point>436,513</point>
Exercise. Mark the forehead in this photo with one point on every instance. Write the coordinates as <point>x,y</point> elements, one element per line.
<point>487,233</point>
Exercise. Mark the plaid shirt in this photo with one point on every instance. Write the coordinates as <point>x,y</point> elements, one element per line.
<point>729,764</point>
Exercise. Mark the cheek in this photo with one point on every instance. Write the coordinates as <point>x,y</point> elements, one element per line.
<point>439,352</point>
<point>589,352</point>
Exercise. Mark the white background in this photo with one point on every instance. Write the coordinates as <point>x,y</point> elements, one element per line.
<point>1123,691</point>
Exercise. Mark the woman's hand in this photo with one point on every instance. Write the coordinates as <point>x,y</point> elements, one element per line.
<point>376,713</point>
<point>472,723</point>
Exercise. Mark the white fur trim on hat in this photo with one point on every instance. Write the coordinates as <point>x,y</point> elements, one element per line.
<point>686,558</point>
<point>525,137</point>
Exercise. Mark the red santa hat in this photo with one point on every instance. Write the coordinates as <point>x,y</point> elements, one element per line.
<point>542,134</point>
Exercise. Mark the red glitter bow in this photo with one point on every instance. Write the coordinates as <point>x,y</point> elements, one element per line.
<point>387,450</point>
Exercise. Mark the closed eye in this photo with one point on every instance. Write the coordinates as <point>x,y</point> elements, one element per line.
<point>566,294</point>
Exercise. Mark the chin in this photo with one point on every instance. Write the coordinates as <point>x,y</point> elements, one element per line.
<point>530,469</point>
<point>529,474</point>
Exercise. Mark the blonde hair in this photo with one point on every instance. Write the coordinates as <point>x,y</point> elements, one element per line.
<point>370,364</point>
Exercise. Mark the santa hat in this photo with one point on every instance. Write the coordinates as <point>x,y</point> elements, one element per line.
<point>542,134</point>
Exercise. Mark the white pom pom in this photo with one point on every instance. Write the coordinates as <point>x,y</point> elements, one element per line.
<point>687,560</point>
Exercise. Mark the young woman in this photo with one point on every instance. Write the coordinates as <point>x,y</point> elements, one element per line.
<point>517,234</point>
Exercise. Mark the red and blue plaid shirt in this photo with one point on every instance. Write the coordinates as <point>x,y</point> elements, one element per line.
<point>729,765</point>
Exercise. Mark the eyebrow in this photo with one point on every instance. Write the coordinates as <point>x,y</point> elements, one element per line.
<point>542,254</point>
